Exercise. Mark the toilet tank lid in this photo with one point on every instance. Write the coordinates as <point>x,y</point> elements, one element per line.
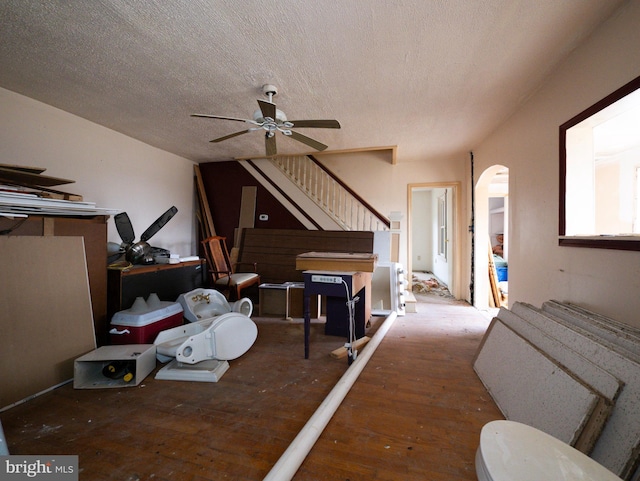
<point>512,450</point>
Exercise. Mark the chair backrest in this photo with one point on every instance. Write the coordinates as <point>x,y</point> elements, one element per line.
<point>217,255</point>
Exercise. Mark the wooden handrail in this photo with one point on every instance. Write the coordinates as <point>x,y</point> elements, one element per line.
<point>384,220</point>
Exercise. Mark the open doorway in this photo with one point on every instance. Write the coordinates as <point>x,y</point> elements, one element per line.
<point>491,255</point>
<point>432,240</point>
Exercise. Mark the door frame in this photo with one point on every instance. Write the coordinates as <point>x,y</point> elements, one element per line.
<point>455,236</point>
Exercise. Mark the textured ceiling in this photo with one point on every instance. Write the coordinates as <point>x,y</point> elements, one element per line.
<point>430,76</point>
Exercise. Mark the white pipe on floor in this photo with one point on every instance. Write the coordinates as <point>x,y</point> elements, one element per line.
<point>292,458</point>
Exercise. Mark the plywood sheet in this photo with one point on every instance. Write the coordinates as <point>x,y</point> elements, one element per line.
<point>618,446</point>
<point>46,318</point>
<point>248,206</point>
<point>597,378</point>
<point>530,387</point>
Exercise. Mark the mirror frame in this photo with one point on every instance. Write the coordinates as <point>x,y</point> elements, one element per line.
<point>599,242</point>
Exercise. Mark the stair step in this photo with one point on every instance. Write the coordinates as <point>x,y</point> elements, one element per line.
<point>410,303</point>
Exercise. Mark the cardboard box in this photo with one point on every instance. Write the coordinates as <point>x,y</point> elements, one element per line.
<point>88,369</point>
<point>296,302</point>
<point>286,301</point>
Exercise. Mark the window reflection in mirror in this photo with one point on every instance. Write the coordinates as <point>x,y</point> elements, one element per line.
<point>600,173</point>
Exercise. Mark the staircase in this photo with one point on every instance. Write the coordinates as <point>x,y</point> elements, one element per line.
<point>329,193</point>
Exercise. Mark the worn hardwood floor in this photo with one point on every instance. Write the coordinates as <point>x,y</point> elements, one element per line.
<point>415,412</point>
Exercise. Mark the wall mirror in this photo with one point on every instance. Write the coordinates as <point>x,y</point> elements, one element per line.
<point>600,173</point>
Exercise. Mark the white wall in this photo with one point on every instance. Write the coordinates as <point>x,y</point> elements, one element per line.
<point>109,168</point>
<point>606,281</point>
<point>385,186</point>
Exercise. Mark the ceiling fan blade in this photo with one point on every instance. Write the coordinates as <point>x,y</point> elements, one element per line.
<point>158,224</point>
<point>124,227</point>
<point>270,144</point>
<point>268,109</point>
<point>318,124</point>
<point>220,139</point>
<point>207,116</point>
<point>307,140</point>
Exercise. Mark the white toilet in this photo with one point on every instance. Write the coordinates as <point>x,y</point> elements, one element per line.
<point>201,351</point>
<point>512,451</point>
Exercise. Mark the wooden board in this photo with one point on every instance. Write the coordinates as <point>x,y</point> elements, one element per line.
<point>336,261</point>
<point>26,176</point>
<point>495,300</point>
<point>530,387</point>
<point>599,379</point>
<point>342,352</point>
<point>618,447</point>
<point>206,220</point>
<point>24,168</point>
<point>46,319</point>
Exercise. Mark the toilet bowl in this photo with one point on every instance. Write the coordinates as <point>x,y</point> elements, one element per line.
<point>228,337</point>
<point>223,338</point>
<point>512,451</point>
<point>200,304</point>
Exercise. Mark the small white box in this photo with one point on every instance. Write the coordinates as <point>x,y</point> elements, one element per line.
<point>87,369</point>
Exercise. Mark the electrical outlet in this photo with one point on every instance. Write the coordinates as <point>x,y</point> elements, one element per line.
<point>326,279</point>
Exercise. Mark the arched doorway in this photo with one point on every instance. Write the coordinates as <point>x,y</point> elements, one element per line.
<point>491,219</point>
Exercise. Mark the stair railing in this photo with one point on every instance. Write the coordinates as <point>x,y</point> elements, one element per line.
<point>331,194</point>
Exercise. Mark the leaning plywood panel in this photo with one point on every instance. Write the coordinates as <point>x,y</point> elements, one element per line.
<point>618,446</point>
<point>600,380</point>
<point>596,324</point>
<point>46,319</point>
<point>530,387</point>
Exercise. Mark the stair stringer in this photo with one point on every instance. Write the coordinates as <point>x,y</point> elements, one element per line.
<point>300,204</point>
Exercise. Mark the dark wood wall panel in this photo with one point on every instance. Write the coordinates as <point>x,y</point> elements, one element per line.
<point>275,250</point>
<point>223,183</point>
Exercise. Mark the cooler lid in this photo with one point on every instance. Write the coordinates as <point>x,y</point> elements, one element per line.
<point>139,318</point>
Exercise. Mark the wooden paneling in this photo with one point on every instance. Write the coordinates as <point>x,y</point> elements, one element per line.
<point>223,182</point>
<point>275,250</point>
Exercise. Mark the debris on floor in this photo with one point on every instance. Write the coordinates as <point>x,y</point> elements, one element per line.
<point>429,285</point>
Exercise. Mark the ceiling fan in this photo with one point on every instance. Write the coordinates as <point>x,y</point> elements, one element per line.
<point>272,120</point>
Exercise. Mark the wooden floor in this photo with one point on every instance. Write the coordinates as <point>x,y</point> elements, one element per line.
<point>415,412</point>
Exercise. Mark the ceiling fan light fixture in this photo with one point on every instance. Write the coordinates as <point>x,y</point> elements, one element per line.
<point>271,120</point>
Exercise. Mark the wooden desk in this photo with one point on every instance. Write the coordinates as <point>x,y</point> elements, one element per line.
<point>166,280</point>
<point>355,270</point>
<point>352,283</point>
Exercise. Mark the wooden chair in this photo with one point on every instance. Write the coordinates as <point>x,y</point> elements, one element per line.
<point>226,278</point>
